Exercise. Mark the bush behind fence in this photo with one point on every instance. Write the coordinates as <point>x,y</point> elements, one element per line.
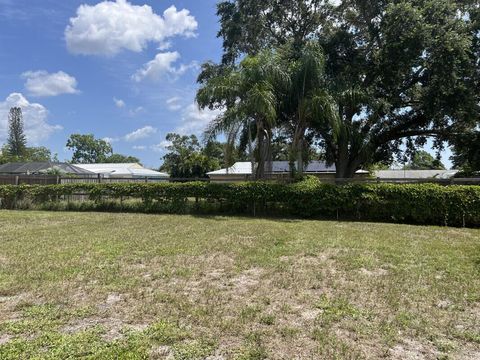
<point>408,203</point>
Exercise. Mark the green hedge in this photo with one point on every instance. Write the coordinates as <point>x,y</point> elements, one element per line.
<point>418,204</point>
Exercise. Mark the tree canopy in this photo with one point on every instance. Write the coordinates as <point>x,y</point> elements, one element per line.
<point>466,152</point>
<point>422,160</point>
<point>119,158</point>
<point>17,141</point>
<point>16,149</point>
<point>88,150</point>
<point>363,77</point>
<point>31,154</point>
<point>187,158</point>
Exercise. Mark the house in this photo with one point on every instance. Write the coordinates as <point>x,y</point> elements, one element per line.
<point>42,168</point>
<point>125,170</point>
<point>241,171</point>
<point>415,174</point>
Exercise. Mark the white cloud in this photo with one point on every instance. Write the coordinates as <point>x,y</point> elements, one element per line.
<point>34,117</point>
<point>119,103</point>
<point>110,140</point>
<point>108,27</point>
<point>139,147</point>
<point>136,111</point>
<point>195,120</point>
<point>163,65</point>
<point>42,83</point>
<point>173,104</point>
<point>140,133</point>
<point>160,147</point>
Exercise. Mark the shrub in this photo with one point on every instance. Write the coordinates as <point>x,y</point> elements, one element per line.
<point>409,203</point>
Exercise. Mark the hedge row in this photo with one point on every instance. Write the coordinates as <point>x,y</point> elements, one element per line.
<point>418,203</point>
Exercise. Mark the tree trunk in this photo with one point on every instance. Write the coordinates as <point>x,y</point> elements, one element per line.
<point>260,151</point>
<point>264,151</point>
<point>297,148</point>
<point>250,150</point>
<point>300,157</point>
<point>346,163</point>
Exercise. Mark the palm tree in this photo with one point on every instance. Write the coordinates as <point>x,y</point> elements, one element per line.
<point>306,84</point>
<point>340,136</point>
<point>247,93</point>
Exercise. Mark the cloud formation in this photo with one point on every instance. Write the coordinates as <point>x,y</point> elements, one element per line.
<point>163,66</point>
<point>34,117</point>
<point>112,26</point>
<point>119,103</point>
<point>42,83</point>
<point>141,133</point>
<point>173,104</point>
<point>161,146</point>
<point>110,140</point>
<point>194,120</point>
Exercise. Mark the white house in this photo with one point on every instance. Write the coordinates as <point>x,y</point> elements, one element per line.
<point>241,171</point>
<point>127,170</point>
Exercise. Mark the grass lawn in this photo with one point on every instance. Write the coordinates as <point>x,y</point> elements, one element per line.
<point>184,287</point>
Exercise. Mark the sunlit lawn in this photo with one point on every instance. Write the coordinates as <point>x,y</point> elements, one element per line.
<point>99,285</point>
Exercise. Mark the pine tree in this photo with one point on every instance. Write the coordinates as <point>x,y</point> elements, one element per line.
<point>17,142</point>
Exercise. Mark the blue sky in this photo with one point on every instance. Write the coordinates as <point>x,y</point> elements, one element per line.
<point>122,70</point>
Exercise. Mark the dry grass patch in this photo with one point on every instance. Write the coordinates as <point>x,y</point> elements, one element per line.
<point>184,287</point>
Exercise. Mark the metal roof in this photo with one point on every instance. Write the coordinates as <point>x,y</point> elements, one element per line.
<point>41,168</point>
<point>415,174</point>
<point>122,170</point>
<point>245,168</point>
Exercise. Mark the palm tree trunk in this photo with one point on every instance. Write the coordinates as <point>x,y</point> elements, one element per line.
<point>260,151</point>
<point>250,149</point>
<point>297,146</point>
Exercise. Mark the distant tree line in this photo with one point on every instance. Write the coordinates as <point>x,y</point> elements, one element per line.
<point>16,149</point>
<point>86,149</point>
<point>186,156</point>
<point>89,150</point>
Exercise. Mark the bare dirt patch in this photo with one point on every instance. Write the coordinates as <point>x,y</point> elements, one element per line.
<point>5,339</point>
<point>114,327</point>
<point>375,272</point>
<point>411,349</point>
<point>310,315</point>
<point>246,280</point>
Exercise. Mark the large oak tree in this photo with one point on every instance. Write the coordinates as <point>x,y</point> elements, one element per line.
<point>395,71</point>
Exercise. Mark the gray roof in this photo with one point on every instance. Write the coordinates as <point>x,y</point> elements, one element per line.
<point>312,167</point>
<point>245,168</point>
<point>415,174</point>
<point>40,168</point>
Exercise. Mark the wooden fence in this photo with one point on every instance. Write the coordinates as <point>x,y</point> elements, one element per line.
<point>58,179</point>
<point>54,179</point>
<point>29,179</point>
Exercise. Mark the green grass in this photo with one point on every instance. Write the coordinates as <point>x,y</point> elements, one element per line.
<point>108,286</point>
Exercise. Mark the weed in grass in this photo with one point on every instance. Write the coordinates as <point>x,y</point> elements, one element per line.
<point>249,313</point>
<point>288,332</point>
<point>333,310</point>
<point>470,336</point>
<point>194,350</point>
<point>267,319</point>
<point>164,333</point>
<point>331,347</point>
<point>253,348</point>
